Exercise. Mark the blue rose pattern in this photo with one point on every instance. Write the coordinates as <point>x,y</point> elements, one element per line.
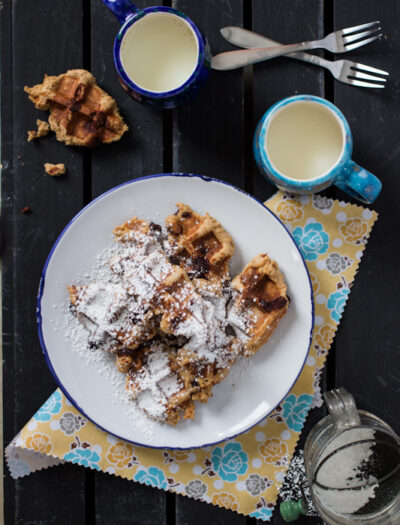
<point>312,240</point>
<point>84,457</point>
<point>264,513</point>
<point>336,302</point>
<point>153,477</point>
<point>50,408</point>
<point>295,410</point>
<point>231,462</point>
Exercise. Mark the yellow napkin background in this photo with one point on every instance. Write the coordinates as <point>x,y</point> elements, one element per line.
<point>243,474</point>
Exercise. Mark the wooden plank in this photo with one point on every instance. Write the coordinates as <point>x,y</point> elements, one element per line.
<point>39,498</point>
<point>119,502</point>
<point>208,132</point>
<point>140,152</point>
<point>208,139</point>
<point>8,403</point>
<point>367,353</point>
<point>192,512</point>
<point>284,21</point>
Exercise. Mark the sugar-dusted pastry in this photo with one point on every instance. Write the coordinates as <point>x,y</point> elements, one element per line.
<point>81,113</point>
<point>114,319</point>
<point>259,302</point>
<point>165,381</point>
<point>171,315</point>
<point>199,243</point>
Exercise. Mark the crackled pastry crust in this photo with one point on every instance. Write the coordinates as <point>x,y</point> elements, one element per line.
<point>81,113</point>
<point>200,244</point>
<point>261,290</point>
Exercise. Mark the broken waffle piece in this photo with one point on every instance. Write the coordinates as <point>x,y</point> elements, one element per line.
<point>111,315</point>
<point>199,244</point>
<point>42,130</point>
<point>81,113</point>
<point>55,170</point>
<point>258,304</point>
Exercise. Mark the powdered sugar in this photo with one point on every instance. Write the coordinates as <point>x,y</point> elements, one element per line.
<point>133,290</point>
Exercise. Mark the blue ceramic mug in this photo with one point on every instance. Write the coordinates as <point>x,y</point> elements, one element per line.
<point>160,55</point>
<point>303,144</point>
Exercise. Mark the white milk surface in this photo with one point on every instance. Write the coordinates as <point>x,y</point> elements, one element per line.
<point>304,140</point>
<point>159,52</point>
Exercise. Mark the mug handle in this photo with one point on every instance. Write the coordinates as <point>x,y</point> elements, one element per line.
<point>121,8</point>
<point>359,183</point>
<point>342,408</point>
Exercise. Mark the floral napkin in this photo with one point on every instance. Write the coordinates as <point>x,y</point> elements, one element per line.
<point>243,474</point>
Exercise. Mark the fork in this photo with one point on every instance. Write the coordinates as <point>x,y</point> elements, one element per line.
<point>339,41</point>
<point>345,71</point>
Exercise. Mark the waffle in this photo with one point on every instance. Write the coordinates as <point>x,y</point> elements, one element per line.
<point>81,113</point>
<point>165,382</point>
<point>176,328</point>
<point>113,320</point>
<point>258,303</point>
<point>199,244</point>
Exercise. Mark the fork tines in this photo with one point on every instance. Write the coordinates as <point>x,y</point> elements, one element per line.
<point>357,76</point>
<point>353,38</point>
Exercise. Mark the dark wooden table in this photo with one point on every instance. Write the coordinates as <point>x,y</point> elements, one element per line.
<point>212,136</point>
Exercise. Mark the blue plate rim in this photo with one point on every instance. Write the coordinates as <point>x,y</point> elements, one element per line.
<point>43,281</point>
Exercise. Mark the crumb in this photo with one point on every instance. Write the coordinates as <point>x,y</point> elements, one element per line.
<point>42,130</point>
<point>26,210</point>
<point>55,169</point>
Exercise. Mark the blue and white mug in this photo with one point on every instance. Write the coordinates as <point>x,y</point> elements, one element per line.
<point>303,144</point>
<point>161,56</point>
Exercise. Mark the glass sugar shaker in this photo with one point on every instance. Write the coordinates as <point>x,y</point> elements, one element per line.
<point>352,463</point>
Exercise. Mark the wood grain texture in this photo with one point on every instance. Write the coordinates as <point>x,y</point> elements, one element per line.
<point>208,132</point>
<point>140,152</point>
<point>287,22</point>
<point>192,512</point>
<point>211,135</point>
<point>207,138</point>
<point>367,345</point>
<point>28,239</point>
<point>284,21</point>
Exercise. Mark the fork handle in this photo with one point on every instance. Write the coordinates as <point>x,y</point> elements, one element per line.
<point>245,57</point>
<point>241,37</point>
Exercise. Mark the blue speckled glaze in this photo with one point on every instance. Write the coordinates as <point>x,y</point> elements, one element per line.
<point>346,174</point>
<point>127,13</point>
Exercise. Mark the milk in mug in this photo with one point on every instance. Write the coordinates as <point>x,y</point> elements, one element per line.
<point>304,140</point>
<point>159,52</point>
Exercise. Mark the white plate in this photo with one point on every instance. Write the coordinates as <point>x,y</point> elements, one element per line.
<point>254,387</point>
